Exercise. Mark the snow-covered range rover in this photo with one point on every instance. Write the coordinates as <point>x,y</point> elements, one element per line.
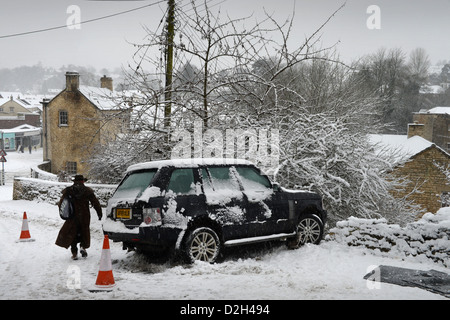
<point>199,206</point>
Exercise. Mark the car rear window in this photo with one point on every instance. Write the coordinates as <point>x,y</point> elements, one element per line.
<point>134,184</point>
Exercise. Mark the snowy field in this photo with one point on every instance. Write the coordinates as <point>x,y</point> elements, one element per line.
<point>41,270</point>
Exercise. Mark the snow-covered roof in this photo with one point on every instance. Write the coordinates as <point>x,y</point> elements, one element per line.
<point>103,98</point>
<point>18,101</point>
<point>4,100</point>
<point>399,146</point>
<point>9,94</point>
<point>26,129</point>
<point>29,101</point>
<point>183,163</point>
<point>433,89</point>
<point>437,110</point>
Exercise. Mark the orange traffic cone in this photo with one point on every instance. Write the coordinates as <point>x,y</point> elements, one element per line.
<point>105,278</point>
<point>25,234</point>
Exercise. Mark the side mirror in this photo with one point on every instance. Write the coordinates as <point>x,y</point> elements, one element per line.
<point>276,186</point>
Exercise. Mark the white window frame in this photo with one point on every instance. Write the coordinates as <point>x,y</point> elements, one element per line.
<point>63,115</point>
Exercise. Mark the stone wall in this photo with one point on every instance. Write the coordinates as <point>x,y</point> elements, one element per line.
<point>424,174</point>
<point>435,128</point>
<point>50,191</point>
<point>429,237</point>
<point>42,171</point>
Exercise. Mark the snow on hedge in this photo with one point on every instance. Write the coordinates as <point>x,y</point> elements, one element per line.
<point>429,236</point>
<point>50,191</point>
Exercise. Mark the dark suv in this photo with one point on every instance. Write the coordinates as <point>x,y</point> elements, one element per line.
<point>199,206</point>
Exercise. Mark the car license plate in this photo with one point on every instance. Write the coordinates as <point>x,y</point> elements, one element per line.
<point>123,213</point>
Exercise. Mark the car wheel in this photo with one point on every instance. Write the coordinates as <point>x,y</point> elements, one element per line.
<point>202,244</point>
<point>309,230</point>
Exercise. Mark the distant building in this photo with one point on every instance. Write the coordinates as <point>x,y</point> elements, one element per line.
<point>13,113</point>
<point>20,138</point>
<point>76,120</point>
<point>432,125</point>
<point>433,89</point>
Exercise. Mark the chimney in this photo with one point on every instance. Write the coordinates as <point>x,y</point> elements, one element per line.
<point>416,129</point>
<point>106,82</point>
<point>72,81</point>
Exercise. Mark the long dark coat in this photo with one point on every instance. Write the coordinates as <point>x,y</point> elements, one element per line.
<point>79,224</point>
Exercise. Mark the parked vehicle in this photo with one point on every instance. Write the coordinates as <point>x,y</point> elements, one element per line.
<point>199,206</point>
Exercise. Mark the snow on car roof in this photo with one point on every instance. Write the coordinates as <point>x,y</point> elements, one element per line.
<point>194,162</point>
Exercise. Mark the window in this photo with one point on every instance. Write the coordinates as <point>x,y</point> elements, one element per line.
<point>11,109</point>
<point>134,184</point>
<point>222,179</point>
<point>252,178</point>
<point>220,185</point>
<point>63,118</point>
<point>71,167</point>
<point>256,186</point>
<point>182,181</point>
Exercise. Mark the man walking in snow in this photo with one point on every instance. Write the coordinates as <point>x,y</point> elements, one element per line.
<point>76,230</point>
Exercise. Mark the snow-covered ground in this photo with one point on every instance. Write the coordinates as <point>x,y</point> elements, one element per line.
<point>41,270</point>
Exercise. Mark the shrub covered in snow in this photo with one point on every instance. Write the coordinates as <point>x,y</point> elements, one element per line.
<point>50,191</point>
<point>430,236</point>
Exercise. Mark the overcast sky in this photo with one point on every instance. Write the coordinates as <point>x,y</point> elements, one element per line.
<point>406,24</point>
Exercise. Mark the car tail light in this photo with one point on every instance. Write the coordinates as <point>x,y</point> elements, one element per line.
<point>152,216</point>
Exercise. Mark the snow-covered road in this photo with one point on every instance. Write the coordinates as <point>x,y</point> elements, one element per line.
<point>41,270</point>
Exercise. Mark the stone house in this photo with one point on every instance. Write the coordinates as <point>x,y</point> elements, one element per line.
<point>13,114</point>
<point>433,125</point>
<point>419,160</point>
<point>78,119</point>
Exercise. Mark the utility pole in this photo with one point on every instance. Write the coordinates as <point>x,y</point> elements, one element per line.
<point>169,62</point>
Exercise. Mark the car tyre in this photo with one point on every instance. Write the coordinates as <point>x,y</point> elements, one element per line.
<point>309,230</point>
<point>202,244</point>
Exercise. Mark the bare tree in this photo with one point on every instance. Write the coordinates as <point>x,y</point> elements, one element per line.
<point>397,81</point>
<point>418,65</point>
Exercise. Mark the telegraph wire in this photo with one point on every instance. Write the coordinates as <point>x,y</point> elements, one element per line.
<point>82,22</point>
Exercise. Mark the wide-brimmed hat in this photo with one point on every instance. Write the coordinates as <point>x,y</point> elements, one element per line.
<point>79,177</point>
